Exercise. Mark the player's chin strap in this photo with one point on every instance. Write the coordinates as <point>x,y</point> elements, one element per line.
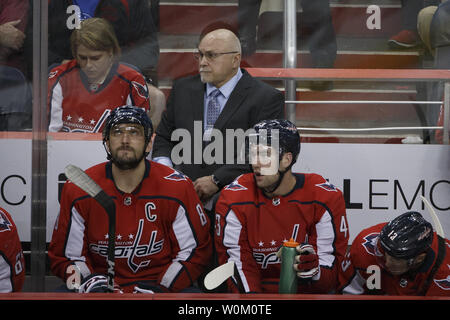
<point>108,154</point>
<point>275,186</point>
<point>281,174</point>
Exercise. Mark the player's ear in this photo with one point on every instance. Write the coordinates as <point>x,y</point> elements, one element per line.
<point>149,145</point>
<point>286,160</point>
<point>420,258</point>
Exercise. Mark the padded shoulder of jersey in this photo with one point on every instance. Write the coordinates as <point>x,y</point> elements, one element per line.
<point>363,249</point>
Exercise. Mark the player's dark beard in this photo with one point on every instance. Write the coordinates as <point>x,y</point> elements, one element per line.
<point>128,162</point>
<point>270,189</point>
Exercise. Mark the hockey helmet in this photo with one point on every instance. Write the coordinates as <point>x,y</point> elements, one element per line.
<point>129,114</point>
<point>406,236</point>
<point>284,131</point>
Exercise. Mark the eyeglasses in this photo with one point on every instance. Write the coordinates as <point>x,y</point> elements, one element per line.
<point>133,132</point>
<point>210,55</point>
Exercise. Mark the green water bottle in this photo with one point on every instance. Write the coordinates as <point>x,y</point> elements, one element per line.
<point>288,277</point>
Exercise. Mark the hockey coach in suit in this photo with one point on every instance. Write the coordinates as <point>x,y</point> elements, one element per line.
<point>221,97</point>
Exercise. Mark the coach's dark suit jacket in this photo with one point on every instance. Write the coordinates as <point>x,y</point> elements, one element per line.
<point>250,102</point>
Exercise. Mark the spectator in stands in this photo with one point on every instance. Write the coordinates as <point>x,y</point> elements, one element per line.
<point>242,101</point>
<point>82,91</point>
<point>411,260</point>
<point>16,100</point>
<point>135,30</point>
<point>15,92</point>
<point>317,21</point>
<point>423,26</point>
<point>408,37</point>
<point>13,21</point>
<point>12,262</point>
<point>434,29</point>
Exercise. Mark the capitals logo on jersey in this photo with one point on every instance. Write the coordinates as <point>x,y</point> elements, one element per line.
<point>84,125</point>
<point>176,176</point>
<point>327,186</point>
<point>5,224</point>
<point>265,259</point>
<point>443,283</point>
<point>52,74</point>
<point>136,253</point>
<point>235,186</point>
<point>370,244</point>
<point>140,89</point>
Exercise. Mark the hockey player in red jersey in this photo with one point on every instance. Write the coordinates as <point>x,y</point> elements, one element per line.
<point>402,257</point>
<point>259,211</point>
<point>12,263</point>
<point>83,91</point>
<point>162,238</point>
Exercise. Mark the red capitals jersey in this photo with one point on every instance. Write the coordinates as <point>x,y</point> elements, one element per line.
<point>357,271</point>
<point>12,263</point>
<point>250,228</point>
<point>75,107</point>
<point>162,233</point>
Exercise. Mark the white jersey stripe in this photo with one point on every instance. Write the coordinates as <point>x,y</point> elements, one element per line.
<point>5,276</point>
<point>171,273</point>
<point>75,239</point>
<point>185,236</point>
<point>56,111</point>
<point>231,235</point>
<point>129,101</point>
<point>186,242</point>
<point>356,286</point>
<point>325,240</point>
<point>83,268</point>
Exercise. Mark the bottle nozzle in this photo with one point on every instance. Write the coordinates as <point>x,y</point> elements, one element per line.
<point>291,243</point>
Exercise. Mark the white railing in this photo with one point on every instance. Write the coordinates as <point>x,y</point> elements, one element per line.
<point>404,75</point>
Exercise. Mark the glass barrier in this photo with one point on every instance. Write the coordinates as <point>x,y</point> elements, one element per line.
<point>65,65</point>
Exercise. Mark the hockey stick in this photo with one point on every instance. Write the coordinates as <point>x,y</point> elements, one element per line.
<point>220,274</point>
<point>437,223</point>
<point>441,245</point>
<point>84,182</point>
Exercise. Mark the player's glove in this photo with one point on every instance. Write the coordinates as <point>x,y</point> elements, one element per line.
<point>149,287</point>
<point>95,283</point>
<point>306,262</point>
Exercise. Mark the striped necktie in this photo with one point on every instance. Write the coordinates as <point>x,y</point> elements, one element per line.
<point>212,112</point>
